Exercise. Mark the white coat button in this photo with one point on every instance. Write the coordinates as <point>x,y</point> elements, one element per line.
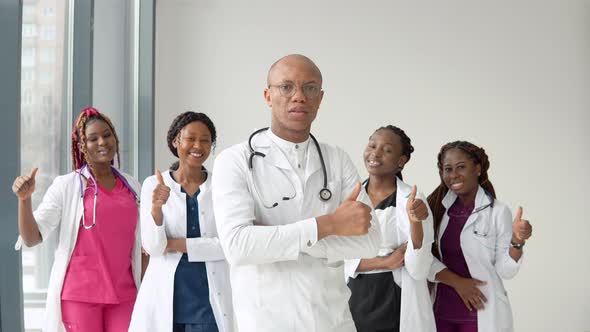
<point>296,146</point>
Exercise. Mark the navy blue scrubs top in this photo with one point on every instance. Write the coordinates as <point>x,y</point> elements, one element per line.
<point>191,290</point>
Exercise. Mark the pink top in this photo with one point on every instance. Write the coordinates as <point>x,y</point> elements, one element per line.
<point>100,268</point>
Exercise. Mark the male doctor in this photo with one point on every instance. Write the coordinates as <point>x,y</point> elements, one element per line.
<point>289,210</point>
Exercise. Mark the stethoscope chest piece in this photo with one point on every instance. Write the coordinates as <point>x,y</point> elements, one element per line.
<point>325,194</point>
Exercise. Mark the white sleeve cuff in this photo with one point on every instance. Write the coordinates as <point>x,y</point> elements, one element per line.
<point>309,233</point>
<point>350,266</point>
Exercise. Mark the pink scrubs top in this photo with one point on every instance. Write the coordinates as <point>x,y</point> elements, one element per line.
<point>100,268</point>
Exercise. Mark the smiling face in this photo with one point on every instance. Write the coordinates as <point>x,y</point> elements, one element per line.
<point>383,154</point>
<point>100,145</point>
<point>292,116</point>
<point>460,173</point>
<point>193,144</point>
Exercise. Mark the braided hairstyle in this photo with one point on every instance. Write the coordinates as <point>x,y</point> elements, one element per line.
<point>479,157</point>
<point>182,121</point>
<point>87,116</point>
<point>407,147</point>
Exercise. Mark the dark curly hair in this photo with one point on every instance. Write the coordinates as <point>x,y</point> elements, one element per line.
<point>407,147</point>
<point>182,121</point>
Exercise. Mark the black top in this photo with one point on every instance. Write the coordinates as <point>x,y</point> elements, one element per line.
<point>375,301</point>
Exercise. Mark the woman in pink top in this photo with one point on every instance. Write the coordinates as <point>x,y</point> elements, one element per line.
<point>96,271</point>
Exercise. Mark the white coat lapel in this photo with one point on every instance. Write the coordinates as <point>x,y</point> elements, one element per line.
<point>175,207</point>
<point>273,154</point>
<point>401,199</point>
<point>313,160</point>
<point>481,200</point>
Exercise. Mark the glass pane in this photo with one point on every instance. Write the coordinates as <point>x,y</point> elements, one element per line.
<point>43,132</point>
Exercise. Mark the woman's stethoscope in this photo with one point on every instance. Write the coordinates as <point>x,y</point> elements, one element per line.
<point>325,194</point>
<point>484,232</point>
<point>481,233</point>
<point>117,174</point>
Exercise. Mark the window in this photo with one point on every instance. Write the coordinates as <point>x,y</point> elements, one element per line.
<point>48,32</point>
<point>26,97</point>
<point>46,76</point>
<point>47,100</point>
<point>47,55</point>
<point>48,11</point>
<point>27,74</point>
<point>28,11</point>
<point>28,57</point>
<point>29,30</point>
<point>42,122</point>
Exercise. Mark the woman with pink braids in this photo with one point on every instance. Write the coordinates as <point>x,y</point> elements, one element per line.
<point>97,266</point>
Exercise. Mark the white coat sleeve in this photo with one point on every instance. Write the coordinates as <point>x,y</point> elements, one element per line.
<point>204,249</point>
<point>244,242</point>
<point>49,213</point>
<point>505,266</point>
<point>153,237</point>
<point>418,261</point>
<point>350,266</point>
<point>435,268</point>
<point>340,248</point>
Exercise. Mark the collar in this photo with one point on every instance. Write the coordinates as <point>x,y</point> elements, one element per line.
<point>481,199</point>
<point>169,181</point>
<point>288,146</point>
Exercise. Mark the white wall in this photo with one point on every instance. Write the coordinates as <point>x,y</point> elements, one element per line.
<point>513,77</point>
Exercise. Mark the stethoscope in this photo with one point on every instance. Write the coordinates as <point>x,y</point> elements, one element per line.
<point>484,233</point>
<point>117,174</point>
<point>325,194</point>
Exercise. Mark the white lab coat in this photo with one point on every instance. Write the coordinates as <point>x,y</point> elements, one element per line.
<point>487,257</point>
<point>61,210</point>
<point>282,279</point>
<point>153,307</point>
<point>416,305</point>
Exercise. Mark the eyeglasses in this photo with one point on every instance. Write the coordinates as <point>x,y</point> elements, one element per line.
<point>287,90</point>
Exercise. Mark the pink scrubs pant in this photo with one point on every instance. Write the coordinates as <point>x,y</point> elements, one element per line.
<point>96,317</point>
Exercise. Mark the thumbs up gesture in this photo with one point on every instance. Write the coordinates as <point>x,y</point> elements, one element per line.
<point>352,217</point>
<point>161,192</point>
<point>521,228</point>
<point>416,208</point>
<point>24,185</point>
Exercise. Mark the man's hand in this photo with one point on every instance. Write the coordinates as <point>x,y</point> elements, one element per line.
<point>350,218</point>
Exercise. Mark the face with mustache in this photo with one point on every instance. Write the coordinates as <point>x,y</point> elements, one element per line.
<point>292,116</point>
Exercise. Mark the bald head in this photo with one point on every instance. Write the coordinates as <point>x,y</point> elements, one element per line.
<point>294,60</point>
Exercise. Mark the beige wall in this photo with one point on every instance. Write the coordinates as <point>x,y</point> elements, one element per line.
<point>513,77</point>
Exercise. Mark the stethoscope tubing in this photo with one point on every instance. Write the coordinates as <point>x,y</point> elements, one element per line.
<point>95,195</point>
<point>325,194</point>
